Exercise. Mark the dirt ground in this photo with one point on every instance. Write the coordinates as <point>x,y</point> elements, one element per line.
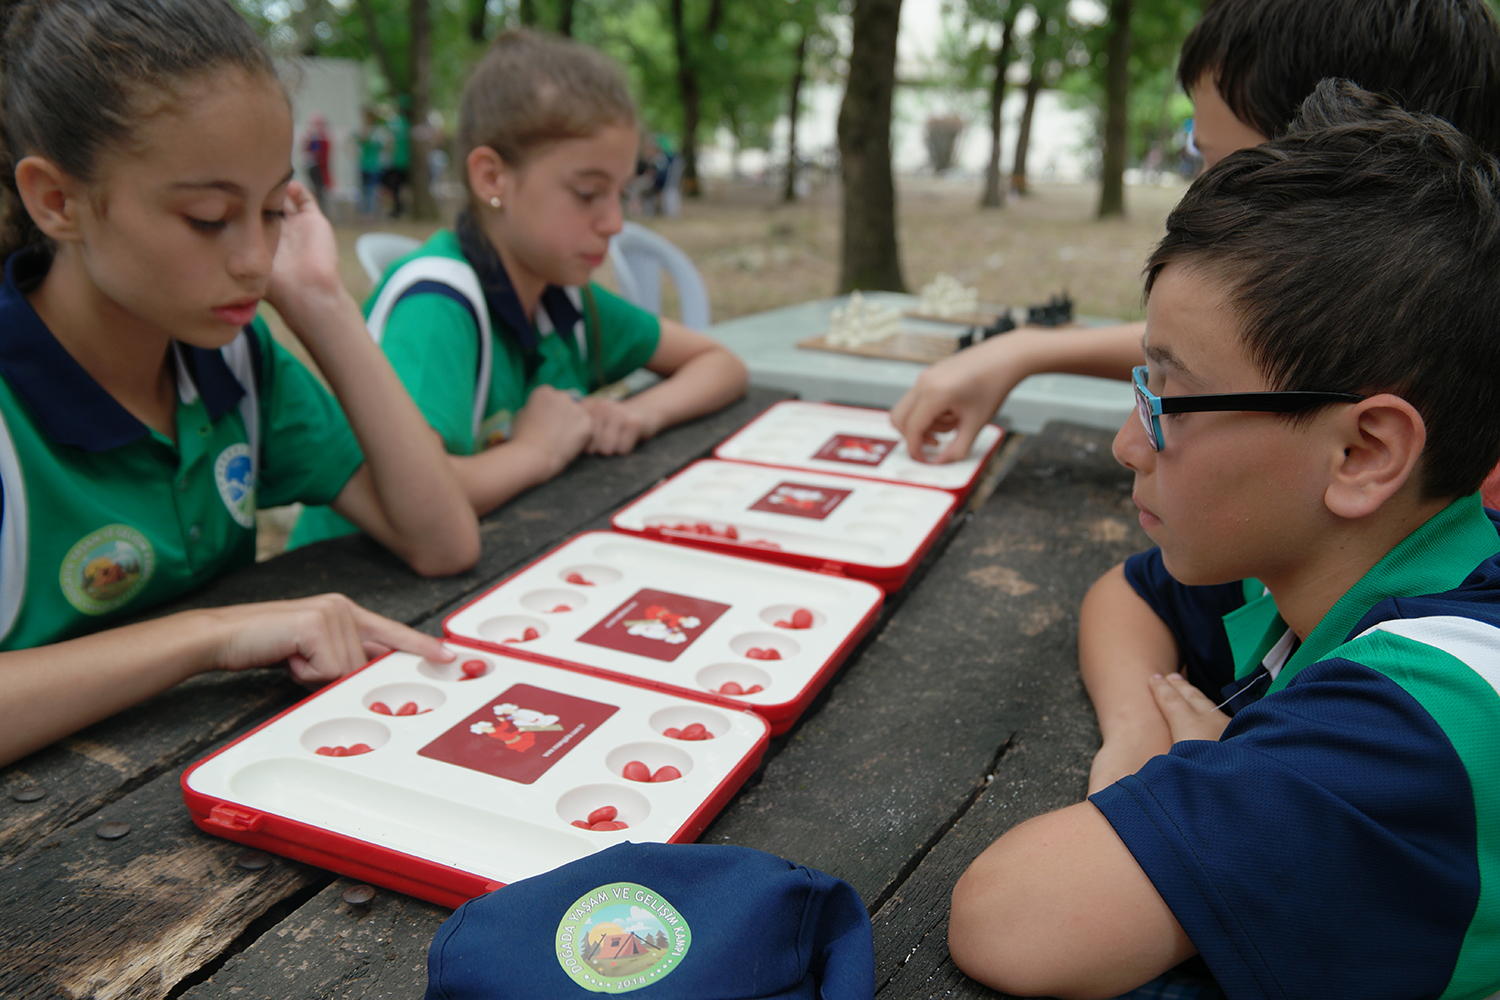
<point>757,252</point>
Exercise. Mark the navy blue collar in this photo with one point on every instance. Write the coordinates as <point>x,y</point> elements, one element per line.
<point>71,408</point>
<point>500,294</point>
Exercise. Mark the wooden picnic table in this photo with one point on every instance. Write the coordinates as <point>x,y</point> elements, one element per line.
<point>959,716</point>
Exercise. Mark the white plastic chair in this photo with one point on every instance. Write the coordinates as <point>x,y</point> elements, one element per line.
<point>375,251</point>
<point>638,256</point>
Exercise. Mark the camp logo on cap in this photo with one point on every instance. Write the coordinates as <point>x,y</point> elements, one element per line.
<point>106,568</point>
<point>621,937</point>
<point>234,472</point>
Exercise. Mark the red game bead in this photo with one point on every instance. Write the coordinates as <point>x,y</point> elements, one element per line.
<point>358,748</point>
<point>530,634</point>
<point>560,608</point>
<point>730,687</point>
<point>325,751</point>
<point>578,580</point>
<point>697,731</point>
<point>754,689</point>
<point>666,773</point>
<point>582,824</point>
<point>341,751</point>
<point>802,618</point>
<point>731,533</point>
<point>769,653</point>
<point>672,733</point>
<point>607,825</point>
<point>473,669</point>
<point>602,814</point>
<point>636,771</point>
<point>783,623</point>
<point>380,708</point>
<point>410,708</point>
<point>703,529</point>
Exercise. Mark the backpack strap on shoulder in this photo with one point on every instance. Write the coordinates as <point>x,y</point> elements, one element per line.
<point>13,532</point>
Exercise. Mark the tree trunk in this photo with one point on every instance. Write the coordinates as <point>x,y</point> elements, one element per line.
<point>692,100</point>
<point>1117,112</point>
<point>1023,136</point>
<point>477,11</point>
<point>526,13</point>
<point>422,205</point>
<point>870,258</point>
<point>565,18</point>
<point>377,45</point>
<point>789,193</point>
<point>992,197</point>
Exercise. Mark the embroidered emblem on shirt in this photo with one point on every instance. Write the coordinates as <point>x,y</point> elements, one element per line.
<point>105,569</point>
<point>621,937</point>
<point>234,474</point>
<point>495,430</point>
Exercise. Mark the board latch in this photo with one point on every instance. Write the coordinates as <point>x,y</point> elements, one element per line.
<point>234,818</point>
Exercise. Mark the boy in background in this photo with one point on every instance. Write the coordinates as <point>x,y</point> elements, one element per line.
<point>1248,64</point>
<point>1318,408</point>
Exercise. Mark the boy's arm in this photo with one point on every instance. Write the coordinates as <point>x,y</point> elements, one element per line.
<point>1121,644</point>
<point>51,691</point>
<point>1058,907</point>
<point>962,392</point>
<point>405,494</point>
<point>701,375</point>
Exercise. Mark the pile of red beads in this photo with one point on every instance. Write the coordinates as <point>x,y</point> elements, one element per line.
<point>602,819</point>
<point>526,636</point>
<point>769,653</point>
<point>349,751</point>
<point>732,687</point>
<point>410,708</point>
<point>577,580</point>
<point>801,618</point>
<point>696,731</point>
<point>637,771</point>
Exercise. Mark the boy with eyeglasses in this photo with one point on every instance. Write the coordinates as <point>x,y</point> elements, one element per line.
<point>1319,406</point>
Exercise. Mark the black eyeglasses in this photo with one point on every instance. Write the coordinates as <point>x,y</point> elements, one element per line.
<point>1149,406</point>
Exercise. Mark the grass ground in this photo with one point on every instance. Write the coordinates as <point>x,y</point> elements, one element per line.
<point>757,252</point>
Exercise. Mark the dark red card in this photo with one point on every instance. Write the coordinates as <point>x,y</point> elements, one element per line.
<point>801,500</point>
<point>655,623</point>
<point>856,450</point>
<point>521,734</point>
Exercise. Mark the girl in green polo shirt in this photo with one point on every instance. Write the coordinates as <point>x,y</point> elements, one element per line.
<point>145,412</point>
<point>494,326</point>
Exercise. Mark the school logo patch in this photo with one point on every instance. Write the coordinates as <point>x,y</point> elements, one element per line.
<point>104,570</point>
<point>621,937</point>
<point>495,430</point>
<point>234,474</point>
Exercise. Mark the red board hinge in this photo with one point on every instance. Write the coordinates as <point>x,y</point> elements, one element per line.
<point>234,818</point>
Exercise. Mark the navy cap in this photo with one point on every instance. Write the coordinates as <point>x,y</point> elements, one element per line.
<point>695,921</point>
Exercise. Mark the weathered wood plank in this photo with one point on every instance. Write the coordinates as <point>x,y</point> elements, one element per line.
<point>130,917</point>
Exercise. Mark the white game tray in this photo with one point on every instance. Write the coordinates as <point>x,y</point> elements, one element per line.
<point>834,524</point>
<point>849,441</point>
<point>472,782</point>
<point>739,633</point>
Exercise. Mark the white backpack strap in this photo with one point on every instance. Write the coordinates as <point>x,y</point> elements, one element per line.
<point>240,358</point>
<point>460,277</point>
<point>13,533</point>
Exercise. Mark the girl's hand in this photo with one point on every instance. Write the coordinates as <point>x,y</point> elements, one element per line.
<point>617,428</point>
<point>553,424</point>
<point>320,638</point>
<point>1189,712</point>
<point>306,266</point>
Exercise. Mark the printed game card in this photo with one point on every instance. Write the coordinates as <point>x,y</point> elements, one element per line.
<point>655,623</point>
<point>521,734</point>
<point>856,450</point>
<point>801,500</point>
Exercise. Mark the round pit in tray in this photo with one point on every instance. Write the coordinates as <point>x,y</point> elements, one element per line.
<point>350,734</point>
<point>746,643</point>
<point>788,613</point>
<point>654,755</point>
<point>591,575</point>
<point>554,601</point>
<point>468,667</point>
<point>679,717</point>
<point>514,629</point>
<point>715,676</point>
<point>631,807</point>
<point>869,531</point>
<point>395,699</point>
<point>893,513</point>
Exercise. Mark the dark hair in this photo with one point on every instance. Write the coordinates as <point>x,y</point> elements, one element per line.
<point>1440,57</point>
<point>1361,253</point>
<point>532,90</point>
<point>77,75</point>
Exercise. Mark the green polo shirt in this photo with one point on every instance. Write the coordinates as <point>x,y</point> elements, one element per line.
<point>432,336</point>
<point>104,517</point>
